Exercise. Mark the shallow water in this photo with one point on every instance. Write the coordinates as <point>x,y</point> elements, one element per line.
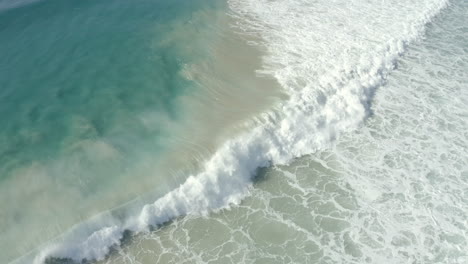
<point>393,191</point>
<point>110,104</point>
<point>365,153</point>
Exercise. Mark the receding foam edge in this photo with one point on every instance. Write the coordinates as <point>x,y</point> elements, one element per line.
<point>292,130</point>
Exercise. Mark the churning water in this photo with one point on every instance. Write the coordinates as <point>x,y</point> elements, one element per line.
<point>155,113</point>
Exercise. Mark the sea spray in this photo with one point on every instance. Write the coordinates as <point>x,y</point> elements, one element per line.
<point>327,97</point>
<point>93,97</point>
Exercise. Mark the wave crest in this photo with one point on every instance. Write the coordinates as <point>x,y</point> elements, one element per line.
<point>330,57</point>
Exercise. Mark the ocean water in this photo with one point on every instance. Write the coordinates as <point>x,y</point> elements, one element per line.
<point>107,105</point>
<point>291,131</point>
<point>88,90</point>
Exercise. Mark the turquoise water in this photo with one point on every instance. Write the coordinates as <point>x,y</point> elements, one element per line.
<point>245,131</point>
<point>89,90</point>
<point>86,53</point>
<point>393,190</point>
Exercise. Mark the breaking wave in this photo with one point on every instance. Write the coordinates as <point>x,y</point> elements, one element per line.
<point>329,57</point>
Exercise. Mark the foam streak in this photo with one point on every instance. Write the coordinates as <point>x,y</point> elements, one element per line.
<point>330,57</point>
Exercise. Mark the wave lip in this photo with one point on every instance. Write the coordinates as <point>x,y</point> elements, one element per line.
<point>330,78</point>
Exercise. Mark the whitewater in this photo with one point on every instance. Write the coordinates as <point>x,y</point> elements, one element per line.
<point>331,58</point>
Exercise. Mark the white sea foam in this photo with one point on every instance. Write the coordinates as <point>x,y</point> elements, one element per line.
<point>10,4</point>
<point>329,56</point>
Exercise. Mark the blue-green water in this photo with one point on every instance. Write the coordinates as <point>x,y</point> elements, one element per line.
<point>94,68</point>
<point>88,90</point>
<point>139,131</point>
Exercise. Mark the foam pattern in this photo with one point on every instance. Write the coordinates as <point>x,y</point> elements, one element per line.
<point>330,57</point>
<point>394,191</point>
